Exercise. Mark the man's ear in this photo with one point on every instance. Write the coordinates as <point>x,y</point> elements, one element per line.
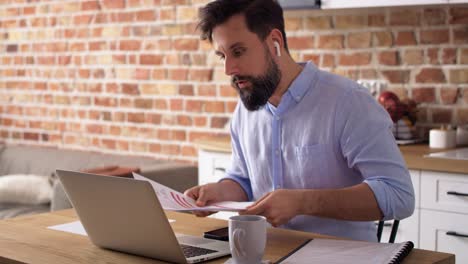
<point>277,39</point>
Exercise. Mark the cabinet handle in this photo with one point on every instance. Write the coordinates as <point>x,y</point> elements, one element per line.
<point>453,233</point>
<point>220,169</point>
<point>457,193</point>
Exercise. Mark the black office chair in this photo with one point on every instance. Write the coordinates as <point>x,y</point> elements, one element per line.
<point>392,233</point>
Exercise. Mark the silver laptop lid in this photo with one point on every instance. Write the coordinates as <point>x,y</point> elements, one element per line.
<point>111,209</point>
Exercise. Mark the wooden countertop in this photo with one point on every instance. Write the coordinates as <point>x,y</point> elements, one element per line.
<point>413,155</point>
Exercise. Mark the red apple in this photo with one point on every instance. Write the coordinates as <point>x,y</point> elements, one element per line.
<point>385,96</point>
<point>391,103</point>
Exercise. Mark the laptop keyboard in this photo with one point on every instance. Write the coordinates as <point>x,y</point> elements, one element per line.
<point>191,251</point>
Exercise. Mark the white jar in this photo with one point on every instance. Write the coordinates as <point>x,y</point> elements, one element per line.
<point>439,138</point>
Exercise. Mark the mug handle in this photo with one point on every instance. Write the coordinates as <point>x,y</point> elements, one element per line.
<point>238,234</point>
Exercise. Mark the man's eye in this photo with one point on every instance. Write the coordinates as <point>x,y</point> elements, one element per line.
<point>221,57</point>
<point>238,53</point>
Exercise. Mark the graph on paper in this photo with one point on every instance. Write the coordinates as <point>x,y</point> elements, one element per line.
<point>176,201</point>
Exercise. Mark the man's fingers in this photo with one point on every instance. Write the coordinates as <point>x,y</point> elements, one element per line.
<point>199,194</point>
<point>258,201</point>
<point>203,197</point>
<point>256,209</point>
<point>192,192</point>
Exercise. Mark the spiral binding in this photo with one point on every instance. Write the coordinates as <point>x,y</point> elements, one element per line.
<point>405,250</point>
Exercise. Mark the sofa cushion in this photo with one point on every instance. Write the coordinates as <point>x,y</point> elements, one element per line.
<point>25,189</point>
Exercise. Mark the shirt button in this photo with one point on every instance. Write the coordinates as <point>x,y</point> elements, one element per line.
<point>298,98</point>
<point>277,152</point>
<point>278,118</point>
<point>278,186</point>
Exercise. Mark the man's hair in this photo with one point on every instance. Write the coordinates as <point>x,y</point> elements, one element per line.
<point>261,16</point>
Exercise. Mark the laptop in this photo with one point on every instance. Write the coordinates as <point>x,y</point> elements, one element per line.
<point>125,215</point>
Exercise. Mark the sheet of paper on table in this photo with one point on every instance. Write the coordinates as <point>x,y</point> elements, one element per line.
<point>176,201</point>
<point>74,227</point>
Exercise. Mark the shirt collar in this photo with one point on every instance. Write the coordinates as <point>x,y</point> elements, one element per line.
<point>303,81</point>
<point>298,88</point>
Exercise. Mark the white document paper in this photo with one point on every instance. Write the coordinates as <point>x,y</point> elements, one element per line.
<point>74,227</point>
<point>176,201</point>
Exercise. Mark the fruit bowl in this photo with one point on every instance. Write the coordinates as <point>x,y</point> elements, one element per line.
<point>404,129</point>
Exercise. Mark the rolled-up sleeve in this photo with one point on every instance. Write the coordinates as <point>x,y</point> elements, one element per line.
<point>238,171</point>
<point>368,145</point>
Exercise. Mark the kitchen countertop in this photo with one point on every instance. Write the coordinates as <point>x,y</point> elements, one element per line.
<point>414,155</point>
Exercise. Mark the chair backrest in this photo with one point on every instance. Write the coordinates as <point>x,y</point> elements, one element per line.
<point>392,233</point>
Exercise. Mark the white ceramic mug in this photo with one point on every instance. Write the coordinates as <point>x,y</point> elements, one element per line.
<point>247,238</point>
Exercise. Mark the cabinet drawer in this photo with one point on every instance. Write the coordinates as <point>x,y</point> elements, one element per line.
<point>444,191</point>
<point>434,228</point>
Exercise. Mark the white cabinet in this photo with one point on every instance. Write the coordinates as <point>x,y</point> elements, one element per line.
<point>328,4</point>
<point>444,192</point>
<point>445,232</point>
<point>444,213</point>
<point>212,166</point>
<point>416,180</point>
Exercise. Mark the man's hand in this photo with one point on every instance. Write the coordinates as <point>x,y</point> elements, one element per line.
<point>278,206</point>
<point>226,190</point>
<point>204,195</point>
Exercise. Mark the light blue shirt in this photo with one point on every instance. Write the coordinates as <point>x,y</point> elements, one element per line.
<point>326,133</point>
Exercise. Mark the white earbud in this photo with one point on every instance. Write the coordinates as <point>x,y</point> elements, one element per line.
<point>277,47</point>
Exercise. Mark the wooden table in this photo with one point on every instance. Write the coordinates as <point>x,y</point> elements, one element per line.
<point>27,240</point>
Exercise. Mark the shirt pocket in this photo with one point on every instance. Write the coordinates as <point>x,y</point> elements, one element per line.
<point>311,161</point>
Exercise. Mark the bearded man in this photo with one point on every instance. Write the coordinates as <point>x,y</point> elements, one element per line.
<point>313,149</point>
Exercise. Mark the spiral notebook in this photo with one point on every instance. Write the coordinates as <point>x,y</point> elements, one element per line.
<point>332,251</point>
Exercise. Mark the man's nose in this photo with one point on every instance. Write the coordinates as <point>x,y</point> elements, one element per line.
<point>230,67</point>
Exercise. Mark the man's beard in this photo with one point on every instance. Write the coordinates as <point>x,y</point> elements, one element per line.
<point>261,87</point>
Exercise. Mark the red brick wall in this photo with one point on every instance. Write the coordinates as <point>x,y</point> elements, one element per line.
<point>131,76</point>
